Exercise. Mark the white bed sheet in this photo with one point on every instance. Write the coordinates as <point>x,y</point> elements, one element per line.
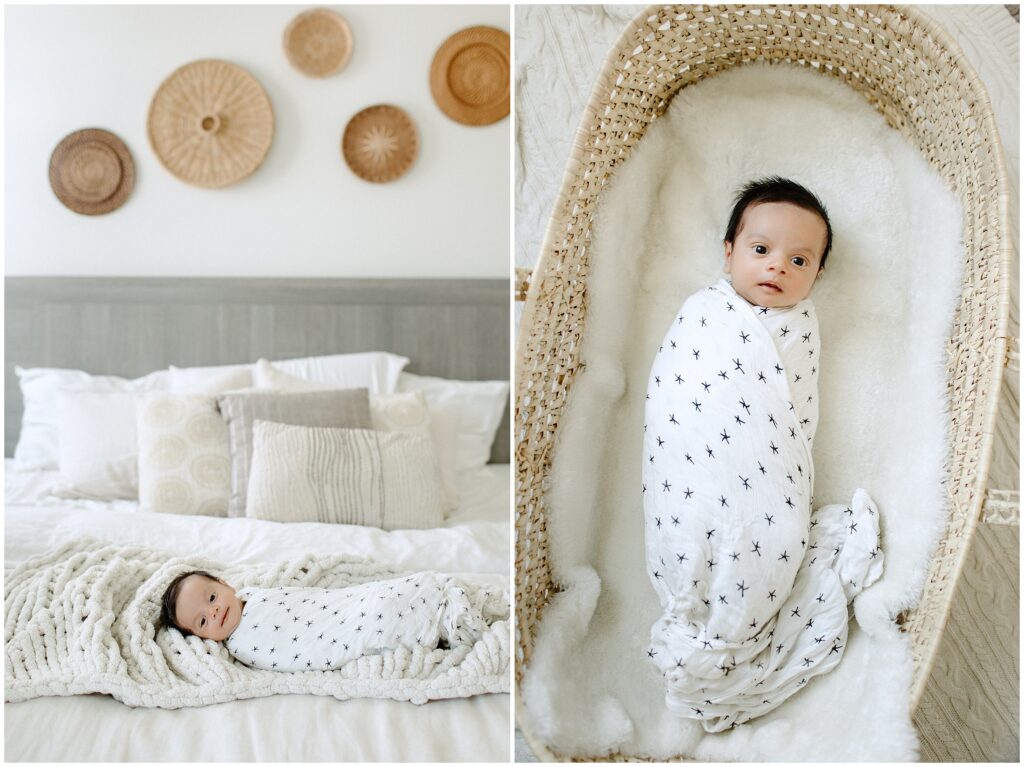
<point>475,539</point>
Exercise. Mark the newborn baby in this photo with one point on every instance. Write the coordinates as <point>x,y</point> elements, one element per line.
<point>306,629</point>
<point>754,585</point>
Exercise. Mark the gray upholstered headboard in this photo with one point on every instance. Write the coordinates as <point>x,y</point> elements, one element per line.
<point>130,326</point>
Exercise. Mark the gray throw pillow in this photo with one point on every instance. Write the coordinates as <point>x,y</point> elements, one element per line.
<point>348,408</point>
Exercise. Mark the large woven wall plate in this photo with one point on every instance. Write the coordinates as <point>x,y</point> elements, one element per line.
<point>318,42</point>
<point>380,143</point>
<point>470,76</point>
<point>210,123</point>
<point>91,171</point>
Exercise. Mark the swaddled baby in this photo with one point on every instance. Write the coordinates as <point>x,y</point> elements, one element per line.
<point>315,629</point>
<point>754,585</point>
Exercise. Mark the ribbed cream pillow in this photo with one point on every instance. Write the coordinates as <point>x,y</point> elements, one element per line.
<point>184,458</point>
<point>346,476</point>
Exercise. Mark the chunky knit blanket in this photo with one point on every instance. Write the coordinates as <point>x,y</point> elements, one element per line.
<point>754,585</point>
<point>83,619</point>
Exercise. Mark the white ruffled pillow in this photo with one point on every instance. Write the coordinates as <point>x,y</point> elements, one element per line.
<point>364,477</point>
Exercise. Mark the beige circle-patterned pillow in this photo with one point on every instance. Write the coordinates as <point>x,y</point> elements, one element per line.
<point>184,455</point>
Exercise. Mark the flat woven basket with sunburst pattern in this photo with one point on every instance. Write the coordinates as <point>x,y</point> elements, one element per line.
<point>916,76</point>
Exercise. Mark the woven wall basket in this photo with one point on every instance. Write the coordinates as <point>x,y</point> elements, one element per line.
<point>470,76</point>
<point>318,42</point>
<point>380,143</point>
<point>915,75</point>
<point>210,123</point>
<point>92,172</point>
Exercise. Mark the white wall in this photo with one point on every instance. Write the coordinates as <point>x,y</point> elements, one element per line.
<point>303,212</point>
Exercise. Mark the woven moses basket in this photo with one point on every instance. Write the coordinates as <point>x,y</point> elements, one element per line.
<point>915,75</point>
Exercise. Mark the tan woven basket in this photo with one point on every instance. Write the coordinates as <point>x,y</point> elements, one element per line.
<point>210,123</point>
<point>916,76</point>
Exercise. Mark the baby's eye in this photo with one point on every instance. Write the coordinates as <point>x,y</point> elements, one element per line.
<point>760,249</point>
<point>212,597</point>
<point>202,622</point>
<point>800,261</point>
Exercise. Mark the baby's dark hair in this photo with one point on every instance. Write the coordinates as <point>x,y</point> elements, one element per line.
<point>170,600</point>
<point>777,189</point>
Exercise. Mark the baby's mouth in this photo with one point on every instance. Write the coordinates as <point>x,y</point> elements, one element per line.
<point>770,286</point>
<point>224,617</point>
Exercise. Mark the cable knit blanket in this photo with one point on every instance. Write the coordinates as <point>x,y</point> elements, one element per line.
<point>754,586</point>
<point>82,619</point>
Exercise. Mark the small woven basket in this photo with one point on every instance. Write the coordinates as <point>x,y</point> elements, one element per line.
<point>916,76</point>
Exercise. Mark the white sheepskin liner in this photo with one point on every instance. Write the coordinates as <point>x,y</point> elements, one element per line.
<point>885,305</point>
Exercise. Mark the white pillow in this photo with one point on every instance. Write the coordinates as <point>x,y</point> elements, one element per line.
<point>406,412</point>
<point>479,404</point>
<point>210,380</point>
<point>266,376</point>
<point>376,371</point>
<point>98,451</point>
<point>184,456</point>
<point>362,477</point>
<point>37,446</point>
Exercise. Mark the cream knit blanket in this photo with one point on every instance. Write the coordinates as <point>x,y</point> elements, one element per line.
<point>82,619</point>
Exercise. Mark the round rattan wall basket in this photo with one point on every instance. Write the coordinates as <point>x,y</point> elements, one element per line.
<point>318,42</point>
<point>92,172</point>
<point>380,143</point>
<point>211,123</point>
<point>916,76</point>
<point>469,76</point>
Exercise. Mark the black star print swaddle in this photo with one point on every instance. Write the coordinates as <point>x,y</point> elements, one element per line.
<point>754,585</point>
<point>315,629</point>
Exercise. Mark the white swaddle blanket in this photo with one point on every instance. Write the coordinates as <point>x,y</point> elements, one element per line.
<point>754,586</point>
<point>303,629</point>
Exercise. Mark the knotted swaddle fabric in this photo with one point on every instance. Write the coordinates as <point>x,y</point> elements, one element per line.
<point>754,585</point>
<point>82,619</point>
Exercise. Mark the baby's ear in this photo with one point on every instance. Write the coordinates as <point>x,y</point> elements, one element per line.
<point>728,256</point>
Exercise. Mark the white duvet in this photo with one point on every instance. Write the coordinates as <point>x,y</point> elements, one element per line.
<point>475,540</point>
<point>753,585</point>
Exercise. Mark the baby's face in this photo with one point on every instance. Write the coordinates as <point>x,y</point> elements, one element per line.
<point>777,254</point>
<point>207,608</point>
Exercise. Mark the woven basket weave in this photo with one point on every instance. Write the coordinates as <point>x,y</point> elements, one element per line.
<point>915,75</point>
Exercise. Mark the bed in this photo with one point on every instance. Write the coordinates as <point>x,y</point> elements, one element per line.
<point>456,329</point>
